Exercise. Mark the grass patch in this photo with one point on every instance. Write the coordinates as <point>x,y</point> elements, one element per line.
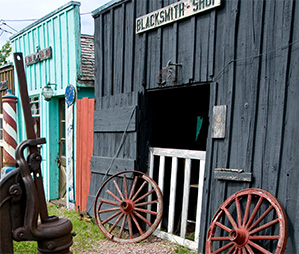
<point>182,250</point>
<point>87,232</point>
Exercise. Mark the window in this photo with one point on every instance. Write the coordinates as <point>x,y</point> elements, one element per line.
<point>35,111</point>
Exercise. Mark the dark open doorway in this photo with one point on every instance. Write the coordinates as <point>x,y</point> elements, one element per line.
<point>179,120</point>
<point>180,117</point>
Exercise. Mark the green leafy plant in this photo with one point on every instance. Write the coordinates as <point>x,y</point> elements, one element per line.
<point>4,53</point>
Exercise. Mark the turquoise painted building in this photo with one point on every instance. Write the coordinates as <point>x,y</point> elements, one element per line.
<point>58,58</point>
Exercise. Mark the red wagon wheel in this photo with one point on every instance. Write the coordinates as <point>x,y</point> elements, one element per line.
<point>128,210</point>
<point>250,221</point>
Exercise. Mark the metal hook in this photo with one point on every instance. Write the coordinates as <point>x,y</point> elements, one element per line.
<point>169,63</point>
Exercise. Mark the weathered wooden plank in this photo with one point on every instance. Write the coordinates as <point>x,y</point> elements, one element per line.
<point>202,48</point>
<point>208,178</point>
<point>185,51</point>
<point>140,58</point>
<point>115,120</point>
<point>224,174</point>
<point>100,165</point>
<point>129,52</point>
<point>118,49</point>
<point>107,54</point>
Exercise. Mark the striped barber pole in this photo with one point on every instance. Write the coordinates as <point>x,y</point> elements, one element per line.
<point>9,103</point>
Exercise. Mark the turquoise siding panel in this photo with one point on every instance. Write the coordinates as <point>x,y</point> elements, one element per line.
<point>59,30</point>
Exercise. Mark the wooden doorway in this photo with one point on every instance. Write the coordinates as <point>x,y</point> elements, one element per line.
<point>61,161</point>
<point>179,122</point>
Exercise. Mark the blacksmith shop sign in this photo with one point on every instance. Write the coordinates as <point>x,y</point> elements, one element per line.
<point>173,12</point>
<point>39,56</point>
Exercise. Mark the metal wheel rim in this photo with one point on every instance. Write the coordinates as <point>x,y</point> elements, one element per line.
<point>121,215</point>
<point>241,236</point>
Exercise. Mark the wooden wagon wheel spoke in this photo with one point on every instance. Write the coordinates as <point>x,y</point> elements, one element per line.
<point>269,224</point>
<point>139,190</point>
<point>116,222</point>
<point>110,218</point>
<point>145,195</point>
<point>109,210</point>
<point>258,247</point>
<point>130,226</point>
<point>130,207</point>
<point>261,218</point>
<point>223,248</point>
<point>133,187</point>
<point>118,190</point>
<point>143,218</point>
<point>109,202</point>
<point>147,203</point>
<point>252,232</point>
<point>248,248</point>
<point>232,249</point>
<point>239,213</point>
<point>114,196</point>
<point>137,224</point>
<point>122,226</point>
<point>125,187</point>
<point>246,215</point>
<point>256,209</point>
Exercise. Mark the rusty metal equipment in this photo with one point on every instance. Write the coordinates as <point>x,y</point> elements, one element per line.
<point>22,198</point>
<point>128,207</point>
<point>250,221</point>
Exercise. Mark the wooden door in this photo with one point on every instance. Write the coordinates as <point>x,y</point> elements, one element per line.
<point>85,112</point>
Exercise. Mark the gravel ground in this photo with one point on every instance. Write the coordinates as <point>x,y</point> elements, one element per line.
<point>152,244</point>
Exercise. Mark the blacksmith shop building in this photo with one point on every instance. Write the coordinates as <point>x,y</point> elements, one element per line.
<point>212,84</point>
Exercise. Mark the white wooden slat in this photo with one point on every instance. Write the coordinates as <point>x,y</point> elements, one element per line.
<point>172,196</point>
<point>176,239</point>
<point>199,198</point>
<point>161,177</point>
<point>151,165</point>
<point>180,153</point>
<point>186,198</point>
<point>151,175</point>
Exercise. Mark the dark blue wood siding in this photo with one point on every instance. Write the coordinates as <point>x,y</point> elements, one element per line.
<point>248,51</point>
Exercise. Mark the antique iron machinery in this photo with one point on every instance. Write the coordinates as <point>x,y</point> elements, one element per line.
<point>22,198</point>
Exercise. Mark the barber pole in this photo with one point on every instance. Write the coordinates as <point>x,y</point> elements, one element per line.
<point>9,103</point>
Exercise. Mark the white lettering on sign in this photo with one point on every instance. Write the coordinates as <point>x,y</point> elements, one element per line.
<point>173,12</point>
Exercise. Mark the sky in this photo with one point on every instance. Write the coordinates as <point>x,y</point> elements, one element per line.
<point>14,14</point>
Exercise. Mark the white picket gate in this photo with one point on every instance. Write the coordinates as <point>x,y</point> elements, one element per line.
<point>188,156</point>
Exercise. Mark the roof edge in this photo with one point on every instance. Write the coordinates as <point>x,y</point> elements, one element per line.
<point>41,20</point>
<point>104,7</point>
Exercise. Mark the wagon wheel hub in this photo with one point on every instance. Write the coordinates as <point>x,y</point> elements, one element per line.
<point>239,236</point>
<point>127,206</point>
